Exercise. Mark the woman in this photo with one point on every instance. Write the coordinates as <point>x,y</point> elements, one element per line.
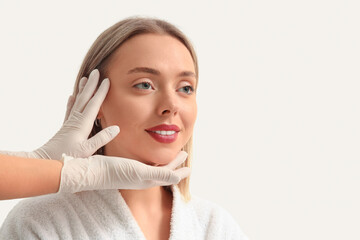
<point>154,75</point>
<point>28,174</point>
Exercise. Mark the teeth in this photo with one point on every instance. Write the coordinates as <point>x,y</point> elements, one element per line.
<point>165,132</point>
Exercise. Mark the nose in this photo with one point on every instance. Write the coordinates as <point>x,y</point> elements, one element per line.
<point>168,104</point>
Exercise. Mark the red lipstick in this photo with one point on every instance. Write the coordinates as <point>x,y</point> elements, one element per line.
<point>164,133</point>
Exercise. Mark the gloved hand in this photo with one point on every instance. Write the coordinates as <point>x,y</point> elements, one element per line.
<point>72,138</point>
<point>103,172</point>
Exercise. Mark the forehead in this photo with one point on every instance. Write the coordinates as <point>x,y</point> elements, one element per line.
<point>152,50</point>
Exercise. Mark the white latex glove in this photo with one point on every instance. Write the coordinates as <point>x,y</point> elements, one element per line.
<point>72,138</point>
<point>103,172</point>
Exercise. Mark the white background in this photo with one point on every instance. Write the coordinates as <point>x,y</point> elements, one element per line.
<point>278,131</point>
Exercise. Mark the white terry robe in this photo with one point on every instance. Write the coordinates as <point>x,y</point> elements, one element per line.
<point>104,214</point>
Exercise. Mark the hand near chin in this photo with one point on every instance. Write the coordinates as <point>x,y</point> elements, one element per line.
<point>104,172</point>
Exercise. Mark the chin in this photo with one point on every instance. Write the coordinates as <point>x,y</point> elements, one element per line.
<point>161,157</point>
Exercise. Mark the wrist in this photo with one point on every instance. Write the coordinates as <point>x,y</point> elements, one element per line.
<point>39,153</point>
<point>19,154</point>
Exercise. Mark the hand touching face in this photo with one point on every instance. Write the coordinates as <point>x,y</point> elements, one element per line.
<point>151,99</point>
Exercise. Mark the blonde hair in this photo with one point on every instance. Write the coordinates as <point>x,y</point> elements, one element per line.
<point>101,52</point>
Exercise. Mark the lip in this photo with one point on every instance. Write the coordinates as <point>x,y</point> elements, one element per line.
<point>164,127</point>
<point>164,138</point>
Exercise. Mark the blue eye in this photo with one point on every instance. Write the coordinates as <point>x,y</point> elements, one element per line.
<point>143,85</point>
<point>188,89</point>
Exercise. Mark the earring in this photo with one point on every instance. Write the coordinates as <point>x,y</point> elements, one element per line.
<point>97,123</point>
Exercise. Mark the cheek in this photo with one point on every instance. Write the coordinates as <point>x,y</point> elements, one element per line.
<point>126,112</point>
<point>189,117</point>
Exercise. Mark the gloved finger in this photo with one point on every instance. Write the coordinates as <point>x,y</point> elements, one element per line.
<point>87,92</point>
<point>69,106</point>
<point>101,139</point>
<point>183,172</point>
<point>159,183</point>
<point>162,174</point>
<point>92,108</point>
<point>179,159</point>
<point>82,84</point>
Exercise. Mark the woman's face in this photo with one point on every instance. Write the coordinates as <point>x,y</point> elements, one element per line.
<point>151,99</point>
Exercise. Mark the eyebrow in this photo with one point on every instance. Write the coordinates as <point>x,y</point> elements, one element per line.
<point>156,72</point>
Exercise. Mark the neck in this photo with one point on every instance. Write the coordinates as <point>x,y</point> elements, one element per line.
<point>151,198</point>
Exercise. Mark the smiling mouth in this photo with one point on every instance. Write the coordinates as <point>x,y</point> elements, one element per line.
<point>164,133</point>
<point>163,136</point>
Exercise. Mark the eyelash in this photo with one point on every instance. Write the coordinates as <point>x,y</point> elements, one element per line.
<point>143,83</point>
<point>187,86</point>
<point>191,89</point>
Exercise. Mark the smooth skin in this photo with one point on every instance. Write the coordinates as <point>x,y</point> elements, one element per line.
<point>23,175</point>
<point>151,80</point>
<point>141,99</point>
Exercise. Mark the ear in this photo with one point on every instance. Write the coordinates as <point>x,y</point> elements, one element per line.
<point>100,115</point>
